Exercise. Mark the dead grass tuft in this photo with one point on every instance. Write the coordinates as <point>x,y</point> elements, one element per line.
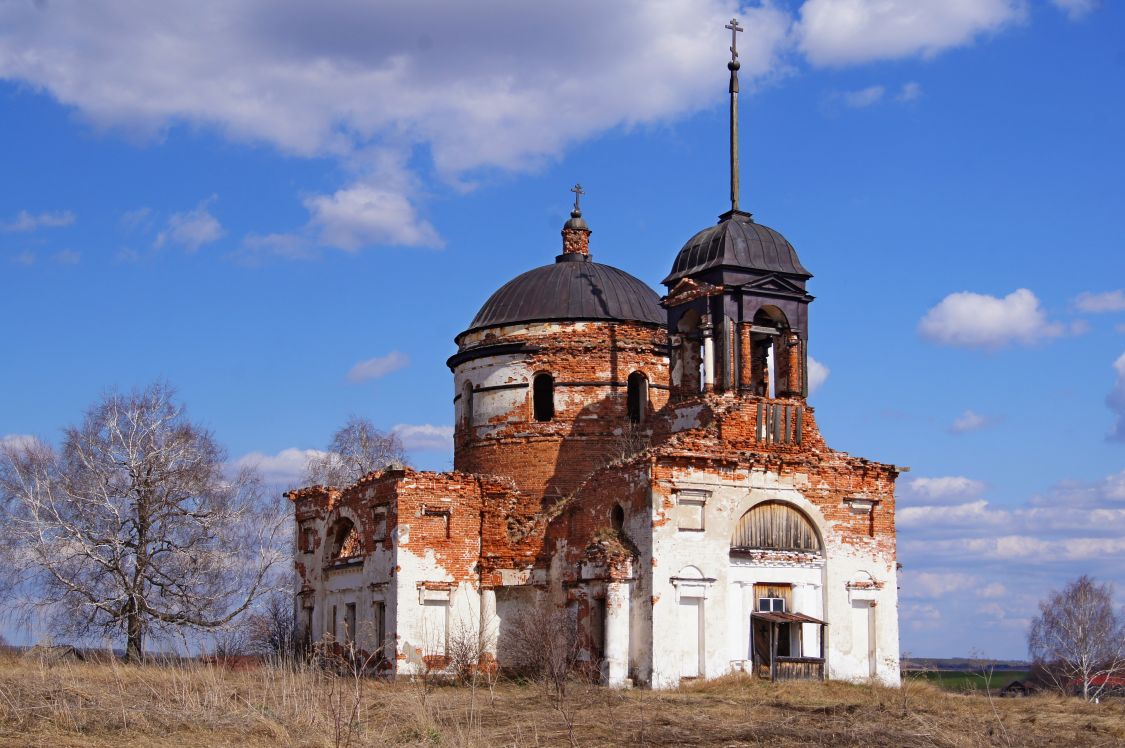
<point>109,704</point>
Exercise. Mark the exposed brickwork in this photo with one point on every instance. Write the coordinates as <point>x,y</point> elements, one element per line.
<point>576,241</point>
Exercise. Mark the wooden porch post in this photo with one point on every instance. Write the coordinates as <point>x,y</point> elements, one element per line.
<point>823,664</point>
<point>773,651</point>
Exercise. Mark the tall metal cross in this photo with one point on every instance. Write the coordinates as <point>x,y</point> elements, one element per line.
<point>578,193</point>
<point>734,29</point>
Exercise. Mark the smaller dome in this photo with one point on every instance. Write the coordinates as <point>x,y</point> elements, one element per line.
<point>737,242</point>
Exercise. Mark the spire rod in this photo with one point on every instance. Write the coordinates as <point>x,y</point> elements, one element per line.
<point>733,66</point>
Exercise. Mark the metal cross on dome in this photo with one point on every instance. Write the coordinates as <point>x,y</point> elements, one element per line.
<point>578,193</point>
<point>734,29</point>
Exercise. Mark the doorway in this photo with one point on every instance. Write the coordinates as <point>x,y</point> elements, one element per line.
<point>690,636</point>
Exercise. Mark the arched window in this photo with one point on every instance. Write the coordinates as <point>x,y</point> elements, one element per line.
<point>775,526</point>
<point>691,353</point>
<point>543,397</point>
<point>617,516</point>
<point>637,399</point>
<point>345,540</point>
<point>768,369</point>
<point>467,404</point>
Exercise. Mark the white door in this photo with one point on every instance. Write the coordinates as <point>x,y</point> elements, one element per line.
<point>861,638</point>
<point>690,636</point>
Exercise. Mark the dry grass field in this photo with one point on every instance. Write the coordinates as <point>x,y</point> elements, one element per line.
<point>86,704</point>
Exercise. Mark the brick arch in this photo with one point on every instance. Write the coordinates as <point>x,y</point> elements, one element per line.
<point>336,534</point>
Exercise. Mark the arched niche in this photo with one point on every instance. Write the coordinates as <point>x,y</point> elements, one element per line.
<point>776,526</point>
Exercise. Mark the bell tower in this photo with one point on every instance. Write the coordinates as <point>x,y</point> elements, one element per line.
<point>737,305</point>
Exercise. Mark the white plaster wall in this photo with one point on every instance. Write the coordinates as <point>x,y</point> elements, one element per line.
<point>418,565</point>
<point>724,603</point>
<point>508,405</point>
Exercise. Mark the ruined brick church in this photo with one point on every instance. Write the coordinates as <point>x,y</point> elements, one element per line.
<point>648,467</point>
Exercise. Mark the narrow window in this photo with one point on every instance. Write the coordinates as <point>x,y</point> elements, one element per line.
<point>543,397</point>
<point>380,629</point>
<point>467,404</point>
<point>349,623</point>
<point>637,400</point>
<point>332,624</point>
<point>618,517</point>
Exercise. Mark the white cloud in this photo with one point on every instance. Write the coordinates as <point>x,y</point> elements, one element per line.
<point>910,91</point>
<point>424,436</point>
<point>380,366</point>
<point>1076,9</point>
<point>138,218</point>
<point>942,488</point>
<point>818,374</point>
<point>976,513</point>
<point>25,221</point>
<point>935,584</point>
<point>286,468</point>
<point>361,215</point>
<point>1116,400</point>
<point>1120,327</point>
<point>962,556</point>
<point>191,229</point>
<point>1096,303</point>
<point>976,320</point>
<point>970,420</point>
<point>864,97</point>
<point>68,257</point>
<point>993,590</point>
<point>25,258</point>
<point>922,617</point>
<point>17,441</point>
<point>486,88</point>
<point>840,32</point>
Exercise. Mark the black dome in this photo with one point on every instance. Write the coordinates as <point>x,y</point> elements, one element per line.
<point>573,288</point>
<point>737,242</point>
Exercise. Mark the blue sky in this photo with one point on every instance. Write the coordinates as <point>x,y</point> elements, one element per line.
<point>288,211</point>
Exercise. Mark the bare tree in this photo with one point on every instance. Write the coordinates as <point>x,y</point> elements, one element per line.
<point>132,526</point>
<point>356,449</point>
<point>271,628</point>
<point>1077,639</point>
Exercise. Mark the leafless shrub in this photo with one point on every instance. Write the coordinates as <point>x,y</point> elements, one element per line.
<point>356,449</point>
<point>132,526</point>
<point>271,628</point>
<point>544,643</point>
<point>1078,641</point>
<point>630,441</point>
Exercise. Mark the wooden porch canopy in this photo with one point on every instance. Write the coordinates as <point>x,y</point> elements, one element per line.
<point>781,667</point>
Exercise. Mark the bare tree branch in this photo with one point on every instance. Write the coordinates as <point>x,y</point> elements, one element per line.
<point>1078,640</point>
<point>132,525</point>
<point>357,449</point>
